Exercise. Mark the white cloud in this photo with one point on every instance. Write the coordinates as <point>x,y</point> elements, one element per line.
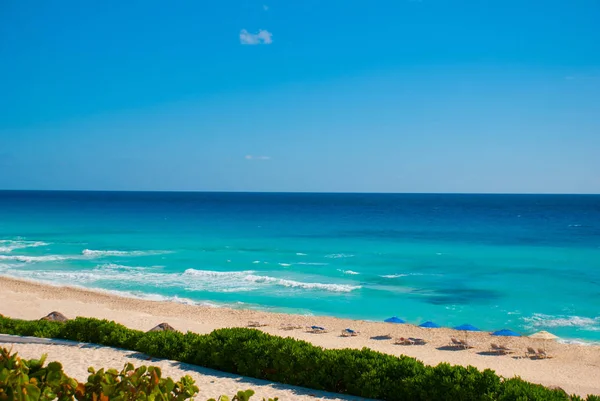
<point>265,7</point>
<point>263,37</point>
<point>251,157</point>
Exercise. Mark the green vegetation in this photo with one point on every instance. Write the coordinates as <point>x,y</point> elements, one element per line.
<point>252,353</point>
<point>29,380</point>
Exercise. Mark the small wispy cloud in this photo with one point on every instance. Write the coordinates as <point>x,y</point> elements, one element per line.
<point>265,7</point>
<point>263,37</point>
<point>252,157</point>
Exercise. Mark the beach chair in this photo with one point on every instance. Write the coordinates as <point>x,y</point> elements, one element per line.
<point>456,343</point>
<point>531,353</point>
<point>256,324</point>
<point>506,350</point>
<point>349,333</point>
<point>417,341</point>
<point>541,354</point>
<point>289,326</point>
<point>500,349</point>
<point>316,330</point>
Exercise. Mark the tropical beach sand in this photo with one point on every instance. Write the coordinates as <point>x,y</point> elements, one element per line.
<point>574,368</point>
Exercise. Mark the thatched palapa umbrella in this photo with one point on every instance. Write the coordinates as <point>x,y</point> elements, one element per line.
<point>162,327</point>
<point>543,335</point>
<point>55,317</point>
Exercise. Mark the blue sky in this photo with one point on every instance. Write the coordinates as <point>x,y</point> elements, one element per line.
<point>386,96</point>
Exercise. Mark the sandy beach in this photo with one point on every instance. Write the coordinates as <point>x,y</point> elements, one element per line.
<point>574,368</point>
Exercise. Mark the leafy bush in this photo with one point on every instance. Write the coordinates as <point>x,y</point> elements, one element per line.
<point>29,380</point>
<point>252,353</point>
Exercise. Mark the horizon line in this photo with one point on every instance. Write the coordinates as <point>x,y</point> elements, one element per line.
<point>303,192</point>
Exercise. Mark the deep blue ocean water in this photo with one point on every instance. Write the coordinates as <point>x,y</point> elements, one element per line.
<point>526,262</point>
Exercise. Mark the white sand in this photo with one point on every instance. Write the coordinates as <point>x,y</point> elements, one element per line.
<point>77,358</point>
<point>574,368</point>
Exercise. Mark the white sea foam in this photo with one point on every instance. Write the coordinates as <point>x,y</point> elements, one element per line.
<point>312,263</point>
<point>299,284</point>
<point>285,264</point>
<point>35,259</point>
<point>538,320</point>
<point>114,266</point>
<point>339,255</point>
<point>300,254</point>
<point>408,275</point>
<point>99,254</point>
<point>256,262</point>
<point>8,245</point>
<point>212,273</point>
<point>348,272</point>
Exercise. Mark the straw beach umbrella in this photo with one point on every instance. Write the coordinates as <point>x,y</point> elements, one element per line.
<point>543,335</point>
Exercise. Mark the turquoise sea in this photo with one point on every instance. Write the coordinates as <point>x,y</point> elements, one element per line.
<point>525,262</point>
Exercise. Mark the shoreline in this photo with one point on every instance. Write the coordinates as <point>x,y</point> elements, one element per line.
<point>243,306</point>
<point>573,367</point>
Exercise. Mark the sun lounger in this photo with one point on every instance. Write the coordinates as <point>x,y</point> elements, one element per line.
<point>531,353</point>
<point>349,333</point>
<point>500,349</point>
<point>256,324</point>
<point>417,341</point>
<point>289,326</point>
<point>456,343</point>
<point>542,354</point>
<point>316,329</point>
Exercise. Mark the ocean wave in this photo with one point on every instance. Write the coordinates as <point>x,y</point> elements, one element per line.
<point>213,273</point>
<point>408,275</point>
<point>108,275</point>
<point>301,254</point>
<point>114,266</point>
<point>312,263</point>
<point>584,323</point>
<point>299,284</point>
<point>285,264</point>
<point>35,259</point>
<point>98,254</point>
<point>339,255</point>
<point>393,275</point>
<point>8,245</point>
<point>348,272</point>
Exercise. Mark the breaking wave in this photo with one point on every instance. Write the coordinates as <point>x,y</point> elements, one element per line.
<point>35,259</point>
<point>7,245</point>
<point>99,254</point>
<point>348,272</point>
<point>299,284</point>
<point>339,255</point>
<point>539,320</point>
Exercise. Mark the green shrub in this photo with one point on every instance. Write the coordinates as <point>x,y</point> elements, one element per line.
<point>252,353</point>
<point>31,381</point>
<point>24,380</point>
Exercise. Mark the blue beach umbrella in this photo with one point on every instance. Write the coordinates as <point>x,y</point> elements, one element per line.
<point>394,319</point>
<point>506,332</point>
<point>466,327</point>
<point>430,325</point>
